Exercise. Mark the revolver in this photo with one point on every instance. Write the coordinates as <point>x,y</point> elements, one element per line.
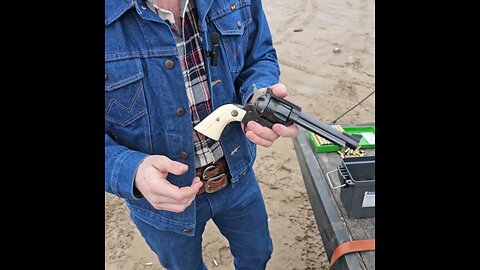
<point>267,109</point>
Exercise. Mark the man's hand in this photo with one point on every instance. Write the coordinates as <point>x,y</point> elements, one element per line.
<point>264,136</point>
<point>151,181</point>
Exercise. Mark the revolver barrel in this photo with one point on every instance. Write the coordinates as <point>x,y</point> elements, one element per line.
<point>278,110</point>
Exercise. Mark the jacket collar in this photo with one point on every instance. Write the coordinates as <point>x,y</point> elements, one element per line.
<point>115,8</point>
<point>203,6</point>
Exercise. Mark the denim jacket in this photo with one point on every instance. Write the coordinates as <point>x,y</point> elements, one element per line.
<point>146,105</point>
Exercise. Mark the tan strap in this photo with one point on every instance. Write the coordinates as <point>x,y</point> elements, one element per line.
<point>352,246</point>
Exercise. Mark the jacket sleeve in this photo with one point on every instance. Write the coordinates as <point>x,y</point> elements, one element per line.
<point>261,65</point>
<point>121,166</point>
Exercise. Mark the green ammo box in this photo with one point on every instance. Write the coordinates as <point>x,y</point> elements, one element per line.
<point>367,141</point>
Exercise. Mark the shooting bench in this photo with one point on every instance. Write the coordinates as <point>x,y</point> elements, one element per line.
<point>333,223</point>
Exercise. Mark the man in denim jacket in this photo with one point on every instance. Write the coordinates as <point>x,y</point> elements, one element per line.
<point>160,81</point>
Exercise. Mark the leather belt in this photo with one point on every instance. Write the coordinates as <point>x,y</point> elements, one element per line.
<point>214,176</point>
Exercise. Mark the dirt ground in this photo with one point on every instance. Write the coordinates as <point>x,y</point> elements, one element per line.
<point>324,84</point>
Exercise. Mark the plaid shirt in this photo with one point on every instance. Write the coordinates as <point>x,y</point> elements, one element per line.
<point>190,54</point>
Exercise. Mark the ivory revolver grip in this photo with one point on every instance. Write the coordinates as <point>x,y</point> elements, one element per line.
<point>212,126</point>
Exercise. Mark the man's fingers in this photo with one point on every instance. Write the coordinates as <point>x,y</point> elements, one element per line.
<point>187,200</point>
<point>196,180</point>
<point>188,192</point>
<point>166,189</point>
<point>290,131</point>
<point>196,183</point>
<point>258,140</point>
<point>160,200</point>
<point>177,206</point>
<point>166,165</point>
<point>172,207</point>
<point>262,132</point>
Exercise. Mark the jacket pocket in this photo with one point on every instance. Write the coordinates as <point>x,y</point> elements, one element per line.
<point>124,97</point>
<point>231,22</point>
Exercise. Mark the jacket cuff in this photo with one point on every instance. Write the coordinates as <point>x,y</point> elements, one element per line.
<point>123,174</point>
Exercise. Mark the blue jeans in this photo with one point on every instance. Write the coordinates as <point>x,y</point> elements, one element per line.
<point>239,213</point>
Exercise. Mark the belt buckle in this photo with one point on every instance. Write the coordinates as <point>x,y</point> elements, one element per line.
<point>207,181</point>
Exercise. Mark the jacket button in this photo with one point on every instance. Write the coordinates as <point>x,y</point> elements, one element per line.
<point>239,24</point>
<point>184,155</point>
<point>169,64</point>
<point>186,230</point>
<point>180,111</point>
<point>106,77</point>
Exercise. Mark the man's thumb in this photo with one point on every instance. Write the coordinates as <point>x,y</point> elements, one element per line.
<point>166,165</point>
<point>279,90</point>
<point>177,168</point>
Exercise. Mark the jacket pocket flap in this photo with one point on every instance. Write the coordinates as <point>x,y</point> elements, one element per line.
<point>121,73</point>
<point>231,20</point>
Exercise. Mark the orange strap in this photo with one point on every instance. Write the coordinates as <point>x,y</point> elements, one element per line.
<point>352,246</point>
